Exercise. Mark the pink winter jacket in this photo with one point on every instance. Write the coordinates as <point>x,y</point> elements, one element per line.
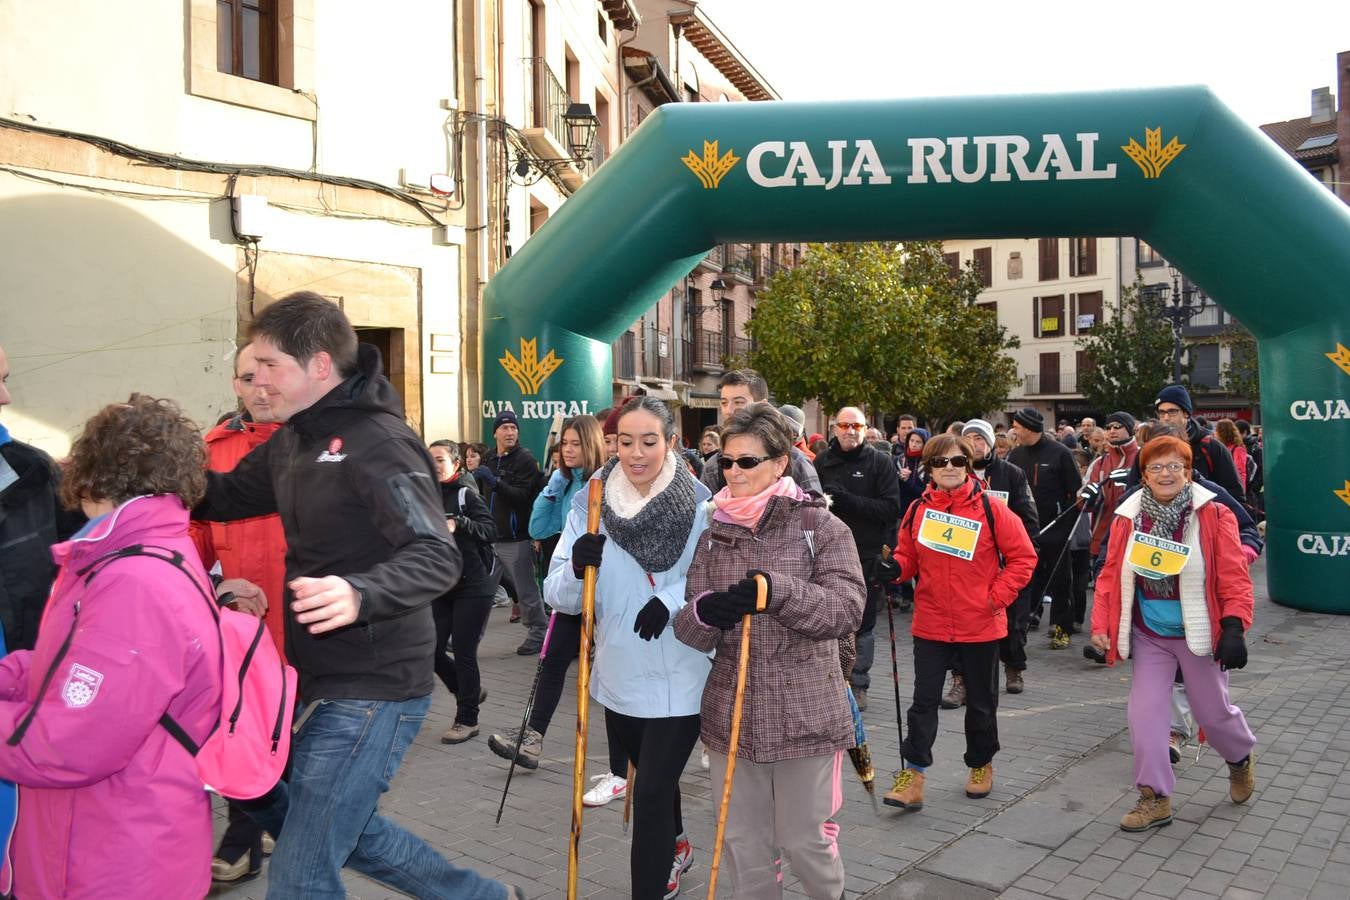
<point>110,806</point>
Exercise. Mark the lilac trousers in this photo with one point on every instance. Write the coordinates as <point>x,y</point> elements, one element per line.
<point>1150,709</point>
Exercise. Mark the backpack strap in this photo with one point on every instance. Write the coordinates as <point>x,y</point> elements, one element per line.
<point>810,522</point>
<point>993,531</point>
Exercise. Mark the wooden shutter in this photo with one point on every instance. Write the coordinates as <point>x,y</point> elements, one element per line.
<point>1049,373</point>
<point>984,265</point>
<point>1090,304</point>
<point>1051,308</point>
<point>1049,259</point>
<point>953,264</point>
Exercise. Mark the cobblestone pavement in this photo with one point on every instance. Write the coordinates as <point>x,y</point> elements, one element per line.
<point>1050,828</point>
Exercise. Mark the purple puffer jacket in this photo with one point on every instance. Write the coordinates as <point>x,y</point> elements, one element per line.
<point>110,806</point>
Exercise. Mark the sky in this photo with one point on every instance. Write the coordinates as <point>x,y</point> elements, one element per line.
<point>1262,60</point>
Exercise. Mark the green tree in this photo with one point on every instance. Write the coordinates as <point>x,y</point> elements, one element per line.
<point>1131,355</point>
<point>883,326</point>
<point>1242,375</point>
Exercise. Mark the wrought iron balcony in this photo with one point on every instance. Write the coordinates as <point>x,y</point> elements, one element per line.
<point>1040,386</point>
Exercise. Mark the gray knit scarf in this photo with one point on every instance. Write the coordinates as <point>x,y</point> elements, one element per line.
<point>1165,518</point>
<point>656,536</point>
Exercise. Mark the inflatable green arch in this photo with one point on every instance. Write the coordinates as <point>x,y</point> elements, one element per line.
<point>1172,166</point>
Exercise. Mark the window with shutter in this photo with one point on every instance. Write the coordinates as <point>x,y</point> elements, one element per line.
<point>1049,373</point>
<point>953,264</point>
<point>1082,256</point>
<point>1050,317</point>
<point>1089,313</point>
<point>984,265</point>
<point>1049,259</point>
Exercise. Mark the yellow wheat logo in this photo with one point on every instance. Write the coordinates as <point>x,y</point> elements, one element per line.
<point>529,372</point>
<point>1345,494</point>
<point>711,168</point>
<point>1153,157</point>
<point>1341,358</point>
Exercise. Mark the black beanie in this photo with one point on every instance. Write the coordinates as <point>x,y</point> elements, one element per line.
<point>1175,393</point>
<point>1029,419</point>
<point>1125,419</point>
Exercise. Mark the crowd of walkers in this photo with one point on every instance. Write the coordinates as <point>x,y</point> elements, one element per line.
<point>760,556</point>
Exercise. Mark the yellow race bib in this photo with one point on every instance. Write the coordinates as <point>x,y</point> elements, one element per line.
<point>1155,557</point>
<point>953,535</point>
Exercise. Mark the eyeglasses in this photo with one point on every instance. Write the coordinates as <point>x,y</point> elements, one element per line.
<point>1170,412</point>
<point>743,462</point>
<point>850,426</point>
<point>941,462</point>
<point>1155,468</point>
<point>1110,425</point>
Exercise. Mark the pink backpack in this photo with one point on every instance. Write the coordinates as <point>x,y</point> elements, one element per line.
<point>246,751</point>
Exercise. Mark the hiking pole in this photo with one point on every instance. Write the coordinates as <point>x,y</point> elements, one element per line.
<point>895,674</point>
<point>1050,579</point>
<point>628,796</point>
<point>1055,520</point>
<point>593,499</point>
<point>761,600</point>
<point>525,719</point>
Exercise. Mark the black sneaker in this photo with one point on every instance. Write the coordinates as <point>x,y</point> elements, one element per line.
<point>529,648</point>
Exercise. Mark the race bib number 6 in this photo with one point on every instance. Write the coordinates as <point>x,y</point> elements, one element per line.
<point>1155,557</point>
<point>953,535</point>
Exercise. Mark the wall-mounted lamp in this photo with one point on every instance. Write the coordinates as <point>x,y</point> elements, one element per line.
<point>581,128</point>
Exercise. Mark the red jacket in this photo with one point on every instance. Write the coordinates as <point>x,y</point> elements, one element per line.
<point>1117,457</point>
<point>1228,584</point>
<point>957,600</point>
<point>253,549</point>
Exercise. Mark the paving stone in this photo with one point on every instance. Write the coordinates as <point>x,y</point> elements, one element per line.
<point>985,860</point>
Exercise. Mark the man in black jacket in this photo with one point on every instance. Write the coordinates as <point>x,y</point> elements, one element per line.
<point>31,520</point>
<point>1054,480</point>
<point>367,551</point>
<point>1212,459</point>
<point>865,495</point>
<point>1007,484</point>
<point>511,480</point>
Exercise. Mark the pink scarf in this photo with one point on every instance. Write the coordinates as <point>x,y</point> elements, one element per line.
<point>746,511</point>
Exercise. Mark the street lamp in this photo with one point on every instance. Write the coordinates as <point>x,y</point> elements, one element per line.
<point>1183,308</point>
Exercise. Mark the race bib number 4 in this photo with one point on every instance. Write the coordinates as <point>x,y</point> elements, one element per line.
<point>1155,557</point>
<point>953,535</point>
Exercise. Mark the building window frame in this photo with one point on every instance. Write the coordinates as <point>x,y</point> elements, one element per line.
<point>1048,259</point>
<point>294,45</point>
<point>1145,257</point>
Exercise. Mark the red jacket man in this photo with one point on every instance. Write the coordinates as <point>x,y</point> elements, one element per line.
<point>1121,455</point>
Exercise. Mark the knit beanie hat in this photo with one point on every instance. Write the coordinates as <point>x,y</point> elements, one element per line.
<point>1174,393</point>
<point>1125,420</point>
<point>1030,419</point>
<point>981,427</point>
<point>796,416</point>
<point>505,417</point>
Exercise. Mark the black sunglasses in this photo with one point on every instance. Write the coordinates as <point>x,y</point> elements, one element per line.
<point>941,462</point>
<point>745,462</point>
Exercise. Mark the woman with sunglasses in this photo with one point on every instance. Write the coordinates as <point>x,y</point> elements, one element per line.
<point>1175,593</point>
<point>972,555</point>
<point>648,682</point>
<point>797,721</point>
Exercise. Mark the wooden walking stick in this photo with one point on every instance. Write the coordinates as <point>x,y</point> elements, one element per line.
<point>761,600</point>
<point>593,498</point>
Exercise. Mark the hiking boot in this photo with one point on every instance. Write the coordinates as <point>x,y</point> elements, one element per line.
<point>1151,811</point>
<point>459,733</point>
<point>1175,742</point>
<point>860,698</point>
<point>956,694</point>
<point>1014,677</point>
<point>1242,779</point>
<point>684,858</point>
<point>907,792</point>
<point>530,648</point>
<point>980,782</point>
<point>1059,638</point>
<point>504,745</point>
<point>607,787</point>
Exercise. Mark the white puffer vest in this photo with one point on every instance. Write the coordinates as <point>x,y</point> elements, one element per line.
<point>1194,609</point>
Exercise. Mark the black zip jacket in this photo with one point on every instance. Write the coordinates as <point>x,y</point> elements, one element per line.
<point>357,495</point>
<point>865,495</point>
<point>1053,478</point>
<point>516,481</point>
<point>474,530</point>
<point>31,520</point>
<point>1212,460</point>
<point>1001,475</point>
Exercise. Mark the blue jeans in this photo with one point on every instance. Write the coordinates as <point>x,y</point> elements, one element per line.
<point>342,760</point>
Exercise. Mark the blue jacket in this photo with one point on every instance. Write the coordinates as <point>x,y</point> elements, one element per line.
<point>645,679</point>
<point>551,506</point>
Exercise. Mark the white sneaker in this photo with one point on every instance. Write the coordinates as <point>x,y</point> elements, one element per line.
<point>607,787</point>
<point>703,760</point>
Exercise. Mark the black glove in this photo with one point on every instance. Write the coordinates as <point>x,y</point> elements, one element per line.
<point>887,569</point>
<point>651,620</point>
<point>748,584</point>
<point>586,551</point>
<point>1090,491</point>
<point>1232,650</point>
<point>723,609</point>
<point>1119,476</point>
<point>840,499</point>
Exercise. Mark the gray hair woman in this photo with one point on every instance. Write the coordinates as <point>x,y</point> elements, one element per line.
<point>797,723</point>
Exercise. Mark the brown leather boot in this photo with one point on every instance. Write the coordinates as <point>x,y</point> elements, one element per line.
<point>1014,677</point>
<point>980,782</point>
<point>908,790</point>
<point>1151,811</point>
<point>956,694</point>
<point>1242,779</point>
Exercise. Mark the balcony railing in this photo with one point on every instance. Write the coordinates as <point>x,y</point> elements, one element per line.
<point>1039,386</point>
<point>765,265</point>
<point>739,260</point>
<point>625,356</point>
<point>549,99</point>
